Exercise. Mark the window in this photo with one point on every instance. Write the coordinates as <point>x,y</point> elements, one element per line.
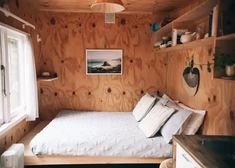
<point>12,59</point>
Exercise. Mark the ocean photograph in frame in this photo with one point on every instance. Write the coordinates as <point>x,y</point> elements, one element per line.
<point>104,61</point>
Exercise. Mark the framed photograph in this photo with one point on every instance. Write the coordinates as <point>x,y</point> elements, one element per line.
<point>104,61</point>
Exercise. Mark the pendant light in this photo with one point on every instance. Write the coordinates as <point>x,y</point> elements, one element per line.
<point>108,6</point>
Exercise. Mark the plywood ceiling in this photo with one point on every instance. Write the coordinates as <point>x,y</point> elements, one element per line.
<point>132,6</point>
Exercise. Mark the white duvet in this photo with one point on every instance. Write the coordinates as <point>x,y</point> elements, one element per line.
<point>97,134</point>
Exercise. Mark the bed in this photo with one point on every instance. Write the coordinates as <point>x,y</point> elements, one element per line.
<point>107,137</point>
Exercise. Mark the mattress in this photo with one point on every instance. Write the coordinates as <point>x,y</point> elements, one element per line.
<point>74,133</point>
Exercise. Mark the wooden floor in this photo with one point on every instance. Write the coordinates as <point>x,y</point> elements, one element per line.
<point>31,159</point>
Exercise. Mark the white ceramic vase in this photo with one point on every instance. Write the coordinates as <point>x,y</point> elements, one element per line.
<point>230,70</point>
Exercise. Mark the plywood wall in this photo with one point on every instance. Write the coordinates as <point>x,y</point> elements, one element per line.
<point>15,134</point>
<point>26,12</point>
<point>214,95</point>
<point>65,37</point>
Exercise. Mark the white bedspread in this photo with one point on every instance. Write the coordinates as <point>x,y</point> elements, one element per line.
<point>97,134</point>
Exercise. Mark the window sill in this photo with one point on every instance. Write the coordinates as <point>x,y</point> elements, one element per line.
<point>7,126</point>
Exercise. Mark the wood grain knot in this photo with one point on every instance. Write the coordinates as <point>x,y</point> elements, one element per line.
<point>158,92</point>
<point>209,99</point>
<point>231,115</point>
<point>93,25</point>
<point>89,93</point>
<point>80,25</point>
<point>17,4</point>
<point>11,138</point>
<point>136,27</point>
<point>214,98</point>
<point>62,61</point>
<point>142,92</point>
<point>56,94</point>
<point>123,92</point>
<point>45,63</point>
<point>109,90</point>
<point>131,61</point>
<point>123,21</point>
<point>53,21</point>
<point>65,26</point>
<point>74,93</point>
<point>41,91</point>
<point>24,130</point>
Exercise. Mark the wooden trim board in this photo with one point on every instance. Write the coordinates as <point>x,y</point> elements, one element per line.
<point>73,160</point>
<point>31,159</point>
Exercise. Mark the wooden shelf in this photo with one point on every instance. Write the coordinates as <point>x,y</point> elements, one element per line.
<point>197,13</point>
<point>47,79</point>
<point>193,44</point>
<point>222,79</point>
<point>227,37</point>
<point>203,10</point>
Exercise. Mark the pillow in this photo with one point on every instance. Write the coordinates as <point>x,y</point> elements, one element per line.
<point>194,123</point>
<point>155,94</point>
<point>174,126</point>
<point>169,99</point>
<point>143,107</point>
<point>153,121</point>
<point>165,100</point>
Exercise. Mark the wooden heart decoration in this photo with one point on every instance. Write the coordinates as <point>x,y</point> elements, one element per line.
<point>191,80</point>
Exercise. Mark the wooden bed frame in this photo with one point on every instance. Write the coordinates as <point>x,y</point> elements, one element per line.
<point>31,159</point>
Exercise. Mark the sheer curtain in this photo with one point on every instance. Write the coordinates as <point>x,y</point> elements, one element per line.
<point>31,82</point>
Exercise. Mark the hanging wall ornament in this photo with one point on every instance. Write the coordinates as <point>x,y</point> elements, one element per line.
<point>191,78</point>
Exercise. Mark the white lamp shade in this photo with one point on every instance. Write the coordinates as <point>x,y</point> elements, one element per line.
<point>107,6</point>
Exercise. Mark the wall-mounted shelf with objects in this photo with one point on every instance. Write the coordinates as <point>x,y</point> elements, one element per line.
<point>224,64</point>
<point>225,58</point>
<point>188,22</point>
<point>48,78</point>
<point>193,44</point>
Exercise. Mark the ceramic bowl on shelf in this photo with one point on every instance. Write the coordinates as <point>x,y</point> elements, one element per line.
<point>187,37</point>
<point>45,74</point>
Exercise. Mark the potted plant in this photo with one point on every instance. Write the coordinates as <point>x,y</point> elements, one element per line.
<point>226,63</point>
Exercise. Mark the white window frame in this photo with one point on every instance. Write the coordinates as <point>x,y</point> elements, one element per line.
<point>9,118</point>
<point>20,109</point>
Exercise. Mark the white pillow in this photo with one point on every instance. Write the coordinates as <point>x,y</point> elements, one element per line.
<point>166,101</point>
<point>195,121</point>
<point>174,126</point>
<point>157,116</point>
<point>170,99</point>
<point>143,107</point>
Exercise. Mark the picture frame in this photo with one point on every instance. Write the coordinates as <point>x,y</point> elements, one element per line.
<point>104,61</point>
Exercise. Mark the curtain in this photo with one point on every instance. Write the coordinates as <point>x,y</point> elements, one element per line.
<point>32,111</point>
